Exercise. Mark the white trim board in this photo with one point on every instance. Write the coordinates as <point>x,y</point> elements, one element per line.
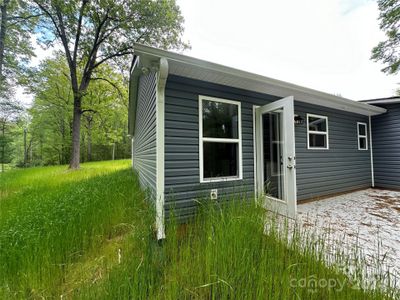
<point>194,68</point>
<point>325,133</point>
<point>362,136</point>
<point>219,140</point>
<point>162,76</point>
<point>383,101</point>
<point>254,152</point>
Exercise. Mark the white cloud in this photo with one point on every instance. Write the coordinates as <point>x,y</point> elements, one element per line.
<point>324,45</point>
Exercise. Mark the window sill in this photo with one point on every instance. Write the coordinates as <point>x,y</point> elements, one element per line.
<point>317,148</point>
<point>220,179</point>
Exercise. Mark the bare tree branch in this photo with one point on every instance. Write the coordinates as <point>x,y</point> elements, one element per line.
<point>79,29</point>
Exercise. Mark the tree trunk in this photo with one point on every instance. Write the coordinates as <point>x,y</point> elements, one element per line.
<point>25,150</point>
<point>89,139</point>
<point>113,151</point>
<point>76,133</point>
<point>3,31</point>
<point>62,131</point>
<point>3,150</point>
<point>30,152</point>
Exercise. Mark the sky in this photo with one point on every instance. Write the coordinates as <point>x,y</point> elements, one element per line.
<point>320,44</point>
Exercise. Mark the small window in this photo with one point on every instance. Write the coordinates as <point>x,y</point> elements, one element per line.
<point>220,139</point>
<point>362,136</point>
<point>317,132</point>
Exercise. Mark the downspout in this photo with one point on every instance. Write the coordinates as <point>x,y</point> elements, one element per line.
<point>371,153</point>
<point>133,95</point>
<point>162,76</point>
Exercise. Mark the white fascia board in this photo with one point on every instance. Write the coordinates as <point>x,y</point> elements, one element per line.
<point>194,68</point>
<point>383,101</point>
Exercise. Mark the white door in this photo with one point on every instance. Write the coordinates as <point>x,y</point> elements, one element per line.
<point>275,156</point>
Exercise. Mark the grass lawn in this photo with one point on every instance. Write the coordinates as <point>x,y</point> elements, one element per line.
<point>89,234</point>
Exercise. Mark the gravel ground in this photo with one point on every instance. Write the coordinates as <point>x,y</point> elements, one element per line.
<point>369,218</point>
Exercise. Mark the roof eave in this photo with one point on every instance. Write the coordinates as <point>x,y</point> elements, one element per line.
<point>285,88</point>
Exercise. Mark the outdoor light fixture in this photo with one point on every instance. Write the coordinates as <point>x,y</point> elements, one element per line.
<point>298,120</point>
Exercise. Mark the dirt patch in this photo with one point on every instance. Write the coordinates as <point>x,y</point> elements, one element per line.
<point>368,218</point>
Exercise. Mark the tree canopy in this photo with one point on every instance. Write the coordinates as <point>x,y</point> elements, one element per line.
<point>104,115</point>
<point>17,21</point>
<point>388,51</point>
<point>94,32</point>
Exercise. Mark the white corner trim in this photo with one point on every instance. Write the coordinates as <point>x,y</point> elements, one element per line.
<point>132,143</point>
<point>326,133</point>
<point>162,76</point>
<point>362,135</point>
<point>255,152</point>
<point>371,153</point>
<point>219,140</point>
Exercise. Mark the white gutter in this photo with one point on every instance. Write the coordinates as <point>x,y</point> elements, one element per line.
<point>383,101</point>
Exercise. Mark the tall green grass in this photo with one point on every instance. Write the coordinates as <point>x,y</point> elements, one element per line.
<point>52,218</point>
<point>226,253</point>
<point>89,234</point>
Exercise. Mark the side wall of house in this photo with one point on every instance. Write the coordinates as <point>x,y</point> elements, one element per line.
<point>386,147</point>
<point>144,142</point>
<point>319,172</point>
<point>342,167</point>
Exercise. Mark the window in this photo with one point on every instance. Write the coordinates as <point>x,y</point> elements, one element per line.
<point>317,132</point>
<point>220,139</point>
<point>362,136</point>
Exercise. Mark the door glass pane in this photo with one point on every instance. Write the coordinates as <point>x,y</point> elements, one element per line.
<point>220,159</point>
<point>273,146</point>
<point>220,120</point>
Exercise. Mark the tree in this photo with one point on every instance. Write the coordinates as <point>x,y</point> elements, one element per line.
<point>9,113</point>
<point>16,24</point>
<point>104,117</point>
<point>51,111</point>
<point>94,32</point>
<point>106,122</point>
<point>388,52</point>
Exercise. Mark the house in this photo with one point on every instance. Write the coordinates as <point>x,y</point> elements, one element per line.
<point>201,129</point>
<point>386,143</point>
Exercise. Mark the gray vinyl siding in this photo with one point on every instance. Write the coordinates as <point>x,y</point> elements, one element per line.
<point>144,144</point>
<point>341,168</point>
<point>386,147</point>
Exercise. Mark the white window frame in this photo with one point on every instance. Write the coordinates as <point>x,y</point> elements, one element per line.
<point>326,133</point>
<point>365,136</point>
<point>219,140</point>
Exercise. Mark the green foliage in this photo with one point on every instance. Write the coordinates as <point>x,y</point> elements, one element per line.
<point>93,33</point>
<point>17,21</point>
<point>113,25</point>
<point>88,234</point>
<point>10,112</point>
<point>388,52</point>
<point>104,116</point>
